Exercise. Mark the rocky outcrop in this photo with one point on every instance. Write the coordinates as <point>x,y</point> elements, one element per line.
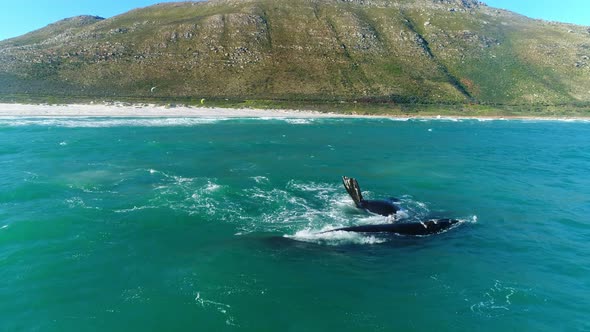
<point>461,3</point>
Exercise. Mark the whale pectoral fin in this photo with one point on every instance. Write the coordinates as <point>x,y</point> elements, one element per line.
<point>353,189</point>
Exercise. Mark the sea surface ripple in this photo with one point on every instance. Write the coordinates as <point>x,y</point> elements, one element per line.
<point>174,224</point>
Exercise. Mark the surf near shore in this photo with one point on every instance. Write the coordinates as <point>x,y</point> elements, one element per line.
<point>159,111</point>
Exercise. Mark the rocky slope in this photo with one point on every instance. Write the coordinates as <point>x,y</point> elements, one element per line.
<point>432,51</point>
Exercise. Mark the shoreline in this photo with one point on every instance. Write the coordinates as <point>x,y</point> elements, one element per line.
<point>125,110</point>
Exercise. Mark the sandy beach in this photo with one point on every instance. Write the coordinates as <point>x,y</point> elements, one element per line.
<point>143,110</point>
<point>151,110</point>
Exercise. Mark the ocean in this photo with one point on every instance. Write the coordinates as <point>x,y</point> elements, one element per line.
<point>180,224</point>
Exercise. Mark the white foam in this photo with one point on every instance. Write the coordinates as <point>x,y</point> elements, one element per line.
<point>399,119</point>
<point>98,122</point>
<point>567,120</point>
<point>335,238</point>
<point>193,196</point>
<point>496,301</point>
<point>135,295</point>
<point>81,122</point>
<point>210,187</point>
<point>371,219</point>
<point>299,121</point>
<point>135,208</point>
<point>222,308</point>
<point>3,227</point>
<point>205,302</point>
<point>439,119</point>
<point>78,202</point>
<point>260,179</point>
<point>180,179</point>
<point>310,186</point>
<point>323,191</point>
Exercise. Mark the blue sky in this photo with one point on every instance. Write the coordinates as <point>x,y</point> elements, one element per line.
<point>570,11</point>
<point>18,17</point>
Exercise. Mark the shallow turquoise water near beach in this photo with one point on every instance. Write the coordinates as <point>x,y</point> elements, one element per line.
<point>210,225</point>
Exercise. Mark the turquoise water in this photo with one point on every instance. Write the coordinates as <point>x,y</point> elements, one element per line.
<point>210,225</point>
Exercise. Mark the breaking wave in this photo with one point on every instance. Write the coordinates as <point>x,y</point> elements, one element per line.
<point>104,122</point>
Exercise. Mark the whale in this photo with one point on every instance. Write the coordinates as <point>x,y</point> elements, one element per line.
<point>382,207</point>
<point>389,208</point>
<point>427,227</point>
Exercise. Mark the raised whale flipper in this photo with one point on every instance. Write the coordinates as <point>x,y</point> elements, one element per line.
<point>382,207</point>
<point>353,189</point>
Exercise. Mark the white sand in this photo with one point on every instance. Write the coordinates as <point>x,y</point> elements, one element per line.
<point>145,110</point>
<point>126,110</point>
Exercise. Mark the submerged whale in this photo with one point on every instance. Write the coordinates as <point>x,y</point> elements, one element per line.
<point>431,226</point>
<point>389,208</point>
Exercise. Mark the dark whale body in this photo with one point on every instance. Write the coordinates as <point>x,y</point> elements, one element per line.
<point>431,226</point>
<point>382,207</point>
<point>388,208</point>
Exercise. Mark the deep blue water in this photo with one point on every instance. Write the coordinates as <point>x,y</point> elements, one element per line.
<point>211,225</point>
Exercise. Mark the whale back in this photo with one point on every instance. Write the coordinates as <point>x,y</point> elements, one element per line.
<point>426,227</point>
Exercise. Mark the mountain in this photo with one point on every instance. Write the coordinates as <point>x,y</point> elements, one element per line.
<point>403,51</point>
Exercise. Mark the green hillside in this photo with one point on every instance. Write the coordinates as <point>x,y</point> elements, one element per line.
<point>401,51</point>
